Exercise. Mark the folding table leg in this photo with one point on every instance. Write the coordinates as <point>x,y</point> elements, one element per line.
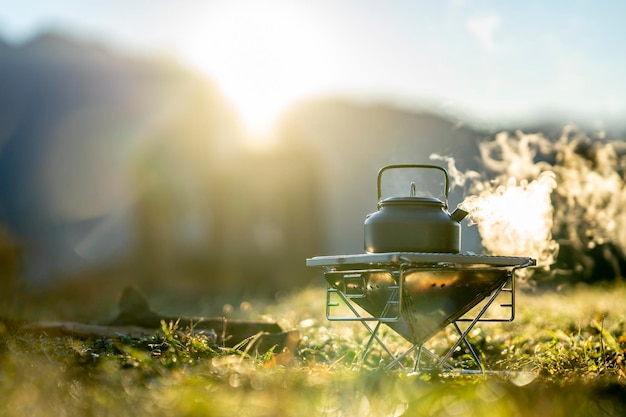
<point>464,334</point>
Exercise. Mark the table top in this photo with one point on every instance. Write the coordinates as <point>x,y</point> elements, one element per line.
<point>419,258</point>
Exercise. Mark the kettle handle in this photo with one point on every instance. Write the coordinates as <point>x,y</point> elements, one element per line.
<point>383,169</point>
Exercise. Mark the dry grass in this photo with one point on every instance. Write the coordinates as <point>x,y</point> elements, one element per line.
<point>562,356</point>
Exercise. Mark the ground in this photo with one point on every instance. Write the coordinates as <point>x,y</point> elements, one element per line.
<point>563,355</point>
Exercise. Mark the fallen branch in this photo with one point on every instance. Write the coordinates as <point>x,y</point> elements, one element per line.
<point>137,319</point>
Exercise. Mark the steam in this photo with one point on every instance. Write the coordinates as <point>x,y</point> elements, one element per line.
<point>515,219</point>
<point>591,196</point>
<point>537,194</point>
<point>514,216</point>
<point>457,177</point>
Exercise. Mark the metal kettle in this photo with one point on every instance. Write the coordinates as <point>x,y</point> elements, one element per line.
<point>413,224</point>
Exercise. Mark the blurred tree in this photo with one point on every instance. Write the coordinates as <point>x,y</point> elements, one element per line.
<point>9,271</point>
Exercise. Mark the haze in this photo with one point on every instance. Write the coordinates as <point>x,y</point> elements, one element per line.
<point>492,63</point>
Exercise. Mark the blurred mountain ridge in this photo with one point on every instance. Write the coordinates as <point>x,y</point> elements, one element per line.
<point>137,162</point>
<point>352,141</point>
<point>75,122</point>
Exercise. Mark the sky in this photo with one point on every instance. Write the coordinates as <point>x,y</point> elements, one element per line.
<point>502,62</point>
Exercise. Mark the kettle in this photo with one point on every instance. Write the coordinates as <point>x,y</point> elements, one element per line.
<point>413,224</point>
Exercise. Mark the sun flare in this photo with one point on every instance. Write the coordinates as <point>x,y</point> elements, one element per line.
<point>264,56</point>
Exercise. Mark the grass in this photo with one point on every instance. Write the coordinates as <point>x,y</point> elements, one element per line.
<point>562,356</point>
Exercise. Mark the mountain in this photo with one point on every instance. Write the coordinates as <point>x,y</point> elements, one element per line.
<point>76,119</point>
<point>114,159</point>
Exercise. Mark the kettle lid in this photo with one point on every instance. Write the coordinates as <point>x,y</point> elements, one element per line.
<point>429,201</point>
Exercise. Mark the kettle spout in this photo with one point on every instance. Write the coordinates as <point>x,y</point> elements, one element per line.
<point>458,214</point>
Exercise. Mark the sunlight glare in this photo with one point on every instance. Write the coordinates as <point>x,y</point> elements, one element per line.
<point>264,56</point>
